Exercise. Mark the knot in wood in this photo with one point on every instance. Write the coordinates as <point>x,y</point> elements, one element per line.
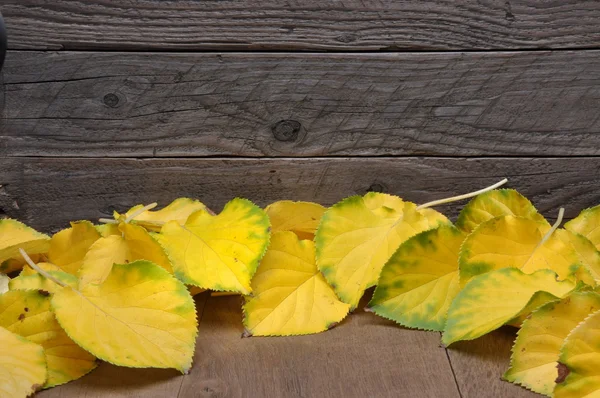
<point>286,130</point>
<point>377,187</point>
<point>111,100</point>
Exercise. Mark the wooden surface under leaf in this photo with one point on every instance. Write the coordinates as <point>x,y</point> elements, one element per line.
<point>363,356</point>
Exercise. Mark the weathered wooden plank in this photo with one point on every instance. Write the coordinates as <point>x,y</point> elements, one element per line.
<point>51,192</point>
<point>450,104</point>
<point>479,364</point>
<point>364,356</point>
<point>116,382</point>
<point>304,25</point>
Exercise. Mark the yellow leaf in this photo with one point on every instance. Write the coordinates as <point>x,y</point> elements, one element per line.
<point>497,203</point>
<point>4,281</point>
<point>302,218</point>
<point>579,361</point>
<point>140,316</point>
<point>490,300</point>
<point>15,235</point>
<point>69,246</point>
<point>537,347</point>
<point>106,230</point>
<point>290,296</point>
<point>27,313</point>
<point>218,252</point>
<point>195,290</point>
<point>420,280</point>
<point>179,210</point>
<point>134,243</point>
<point>34,281</point>
<point>27,270</point>
<point>358,235</point>
<point>586,224</point>
<point>22,366</point>
<point>516,242</point>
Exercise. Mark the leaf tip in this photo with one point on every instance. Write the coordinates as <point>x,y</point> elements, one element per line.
<point>332,325</point>
<point>246,334</point>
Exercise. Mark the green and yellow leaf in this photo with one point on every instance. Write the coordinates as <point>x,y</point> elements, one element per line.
<point>133,243</point>
<point>27,313</point>
<point>497,203</point>
<point>22,366</point>
<point>490,300</point>
<point>302,218</point>
<point>358,235</point>
<point>35,281</point>
<point>290,295</point>
<point>69,246</point>
<point>178,210</point>
<point>587,223</point>
<point>218,252</point>
<point>537,347</point>
<point>15,235</point>
<point>420,280</point>
<point>140,316</point>
<point>579,361</point>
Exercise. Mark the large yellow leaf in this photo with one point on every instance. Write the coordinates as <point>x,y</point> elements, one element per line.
<point>579,361</point>
<point>497,203</point>
<point>516,242</point>
<point>290,296</point>
<point>218,252</point>
<point>302,218</point>
<point>358,235</point>
<point>22,366</point>
<point>15,235</point>
<point>134,243</point>
<point>27,313</point>
<point>69,246</point>
<point>537,347</point>
<point>178,210</point>
<point>490,300</point>
<point>587,223</point>
<point>420,280</point>
<point>140,316</point>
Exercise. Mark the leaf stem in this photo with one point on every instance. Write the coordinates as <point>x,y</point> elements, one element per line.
<point>140,211</point>
<point>561,213</point>
<point>461,197</point>
<point>108,221</point>
<point>41,271</point>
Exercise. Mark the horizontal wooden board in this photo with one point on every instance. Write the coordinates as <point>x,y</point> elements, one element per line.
<point>162,105</point>
<point>301,25</point>
<point>48,193</point>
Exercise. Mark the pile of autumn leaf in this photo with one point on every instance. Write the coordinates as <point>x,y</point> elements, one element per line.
<point>122,291</point>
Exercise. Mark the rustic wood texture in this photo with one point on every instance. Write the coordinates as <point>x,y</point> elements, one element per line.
<point>304,25</point>
<point>162,105</point>
<point>51,192</point>
<point>479,364</point>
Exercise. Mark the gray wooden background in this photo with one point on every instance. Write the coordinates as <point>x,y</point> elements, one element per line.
<point>108,103</point>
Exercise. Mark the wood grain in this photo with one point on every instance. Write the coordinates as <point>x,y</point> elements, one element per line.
<point>364,356</point>
<point>479,364</point>
<point>162,105</point>
<point>116,382</point>
<point>52,192</point>
<point>305,25</point>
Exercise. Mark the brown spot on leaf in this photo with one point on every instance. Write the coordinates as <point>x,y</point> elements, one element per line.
<point>523,349</point>
<point>21,317</point>
<point>44,293</point>
<point>563,372</point>
<point>26,309</point>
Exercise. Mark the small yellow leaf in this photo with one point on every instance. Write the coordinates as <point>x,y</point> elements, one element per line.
<point>218,252</point>
<point>579,361</point>
<point>490,300</point>
<point>35,281</point>
<point>140,316</point>
<point>516,242</point>
<point>537,347</point>
<point>358,235</point>
<point>133,243</point>
<point>586,224</point>
<point>22,366</point>
<point>69,246</point>
<point>420,280</point>
<point>15,235</point>
<point>497,203</point>
<point>302,218</point>
<point>27,313</point>
<point>178,210</point>
<point>290,296</point>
